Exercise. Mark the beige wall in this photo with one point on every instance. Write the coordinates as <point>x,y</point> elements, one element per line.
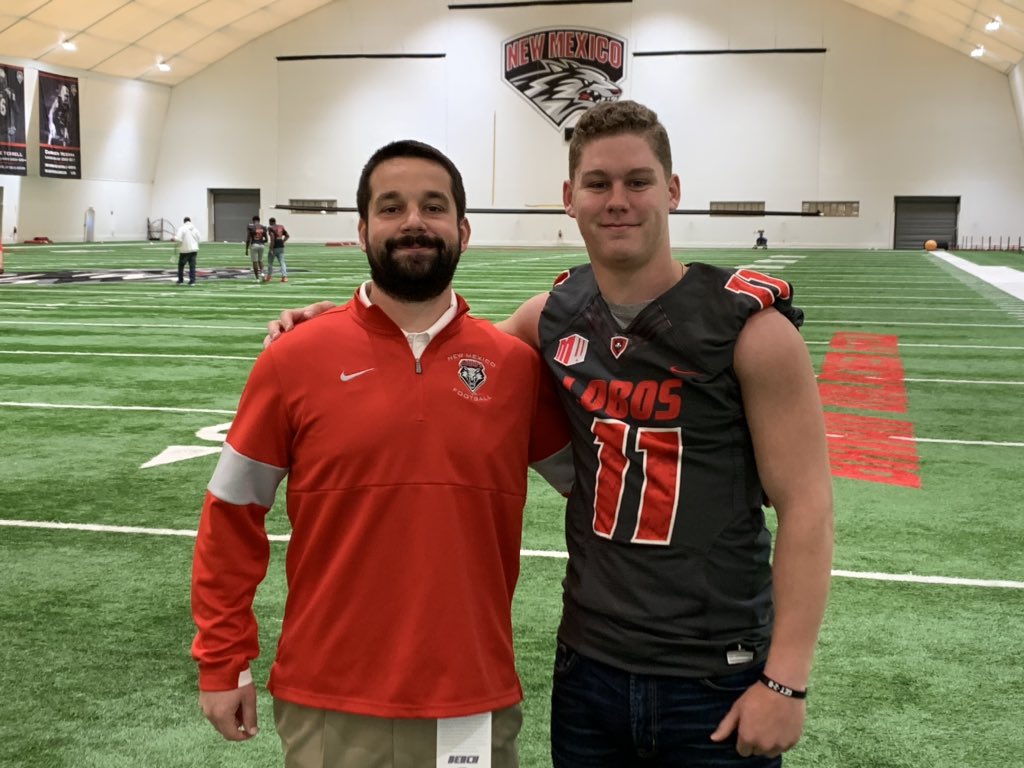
<point>883,113</point>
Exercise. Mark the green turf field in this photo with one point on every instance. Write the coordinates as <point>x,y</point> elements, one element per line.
<point>107,366</point>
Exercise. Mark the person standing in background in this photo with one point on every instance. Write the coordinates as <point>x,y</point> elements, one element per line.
<point>278,237</point>
<point>187,238</point>
<point>255,242</point>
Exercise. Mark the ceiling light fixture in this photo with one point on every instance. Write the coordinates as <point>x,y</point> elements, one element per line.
<point>68,45</point>
<point>163,66</point>
<point>993,25</point>
<point>978,52</point>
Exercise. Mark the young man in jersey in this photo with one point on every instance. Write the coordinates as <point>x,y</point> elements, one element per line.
<point>692,401</point>
<point>405,426</point>
<point>278,237</point>
<point>255,242</point>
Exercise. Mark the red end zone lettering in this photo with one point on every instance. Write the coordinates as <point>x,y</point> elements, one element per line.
<point>867,448</point>
<point>882,472</point>
<point>862,369</point>
<point>874,343</point>
<point>862,447</point>
<point>891,399</point>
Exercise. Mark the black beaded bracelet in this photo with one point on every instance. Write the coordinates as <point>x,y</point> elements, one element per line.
<point>784,690</point>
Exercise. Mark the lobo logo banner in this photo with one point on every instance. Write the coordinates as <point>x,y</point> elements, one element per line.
<point>564,71</point>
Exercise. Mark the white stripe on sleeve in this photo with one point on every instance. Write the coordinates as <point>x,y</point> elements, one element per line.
<point>240,480</point>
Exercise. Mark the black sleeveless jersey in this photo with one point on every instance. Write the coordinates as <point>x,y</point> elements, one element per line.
<point>669,557</point>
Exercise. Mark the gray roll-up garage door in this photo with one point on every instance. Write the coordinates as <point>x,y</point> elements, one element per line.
<point>233,209</point>
<point>926,218</point>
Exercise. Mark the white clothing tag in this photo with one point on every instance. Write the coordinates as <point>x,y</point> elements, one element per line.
<point>464,741</point>
<point>740,656</point>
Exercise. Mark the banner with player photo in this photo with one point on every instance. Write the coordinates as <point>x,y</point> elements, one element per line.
<point>60,156</point>
<point>13,151</point>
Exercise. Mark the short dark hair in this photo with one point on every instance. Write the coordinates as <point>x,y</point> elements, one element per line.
<point>187,219</point>
<point>409,148</point>
<point>614,118</point>
<point>255,218</point>
<point>272,220</point>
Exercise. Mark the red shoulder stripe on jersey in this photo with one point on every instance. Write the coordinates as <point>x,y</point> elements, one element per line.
<point>561,278</point>
<point>762,288</point>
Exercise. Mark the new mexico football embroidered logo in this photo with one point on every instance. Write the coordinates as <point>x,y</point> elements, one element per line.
<point>565,71</point>
<point>472,374</point>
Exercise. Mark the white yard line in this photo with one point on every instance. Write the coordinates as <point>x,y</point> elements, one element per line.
<point>948,346</point>
<point>977,310</point>
<point>808,342</point>
<point>944,441</point>
<point>172,308</point>
<point>913,578</point>
<point>856,323</point>
<point>172,409</point>
<point>937,440</point>
<point>966,381</point>
<point>249,358</point>
<point>80,407</point>
<point>175,326</point>
<point>810,293</point>
<point>185,326</point>
<point>896,577</point>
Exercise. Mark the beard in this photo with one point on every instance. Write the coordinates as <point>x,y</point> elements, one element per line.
<point>418,278</point>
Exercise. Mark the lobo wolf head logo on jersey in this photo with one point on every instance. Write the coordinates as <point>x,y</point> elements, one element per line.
<point>565,71</point>
<point>472,374</point>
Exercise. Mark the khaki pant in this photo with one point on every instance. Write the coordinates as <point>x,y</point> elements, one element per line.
<point>321,738</point>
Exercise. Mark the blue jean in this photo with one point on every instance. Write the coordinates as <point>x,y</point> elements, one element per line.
<point>276,253</point>
<point>604,717</point>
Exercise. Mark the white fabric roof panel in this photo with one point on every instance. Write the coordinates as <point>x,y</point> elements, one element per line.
<point>127,38</point>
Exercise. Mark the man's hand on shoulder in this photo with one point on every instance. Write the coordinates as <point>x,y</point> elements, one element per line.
<point>289,318</point>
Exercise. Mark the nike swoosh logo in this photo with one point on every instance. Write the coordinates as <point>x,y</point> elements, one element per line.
<point>680,372</point>
<point>356,375</point>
